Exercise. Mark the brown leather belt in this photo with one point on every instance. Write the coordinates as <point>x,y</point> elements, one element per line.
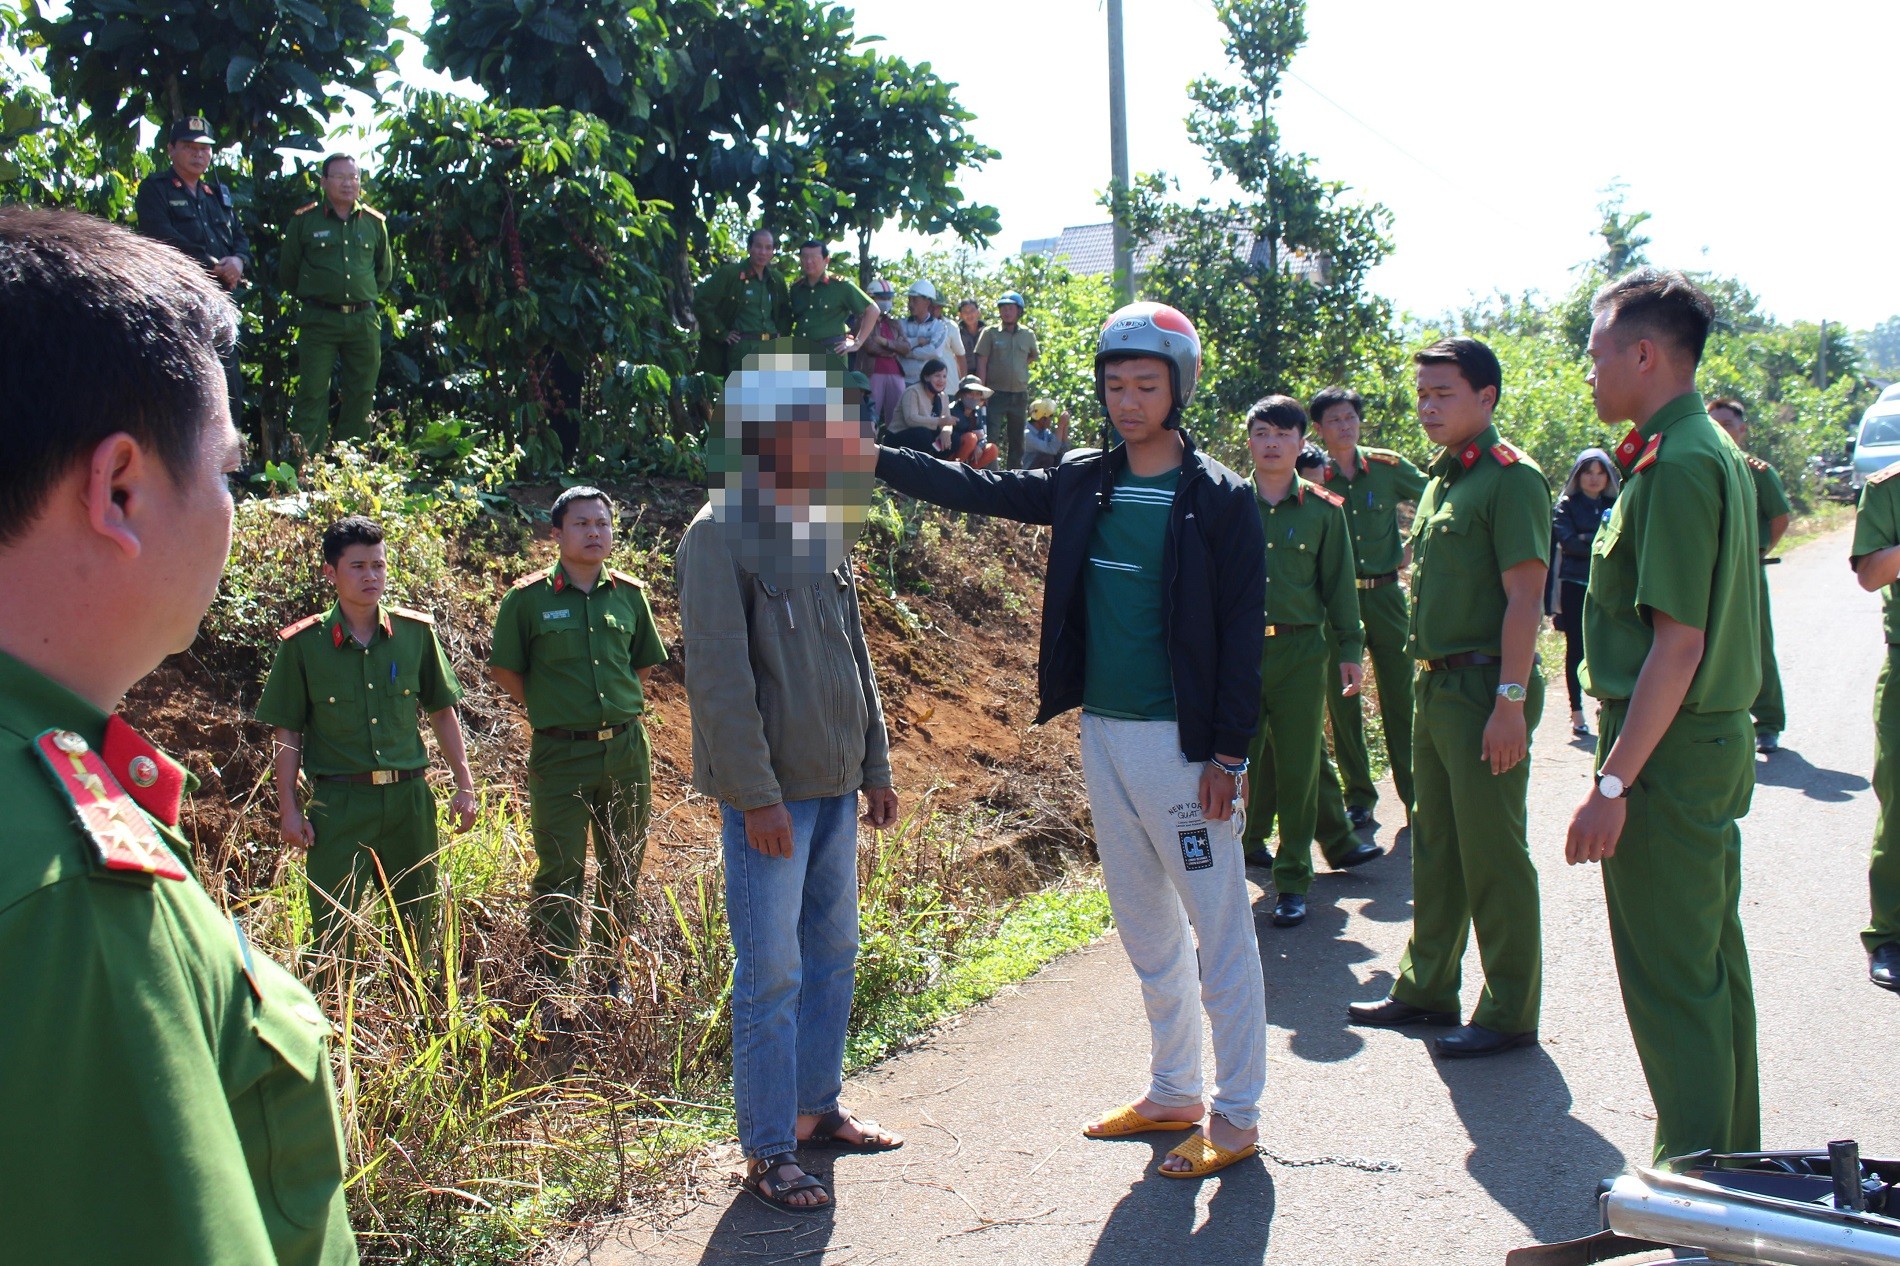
<point>1470,659</point>
<point>583,736</point>
<point>375,777</point>
<point>1375,582</point>
<point>1281,630</point>
<point>345,308</point>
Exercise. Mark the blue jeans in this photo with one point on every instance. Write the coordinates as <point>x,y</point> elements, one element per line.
<point>794,928</point>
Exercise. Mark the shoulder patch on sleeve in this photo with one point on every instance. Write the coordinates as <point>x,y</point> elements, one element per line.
<point>372,212</point>
<point>1884,474</point>
<point>1505,455</point>
<point>305,209</point>
<point>624,578</point>
<point>121,836</point>
<point>1382,455</point>
<point>291,630</point>
<point>1754,461</point>
<point>408,613</point>
<point>1650,453</point>
<point>1331,497</point>
<point>533,578</point>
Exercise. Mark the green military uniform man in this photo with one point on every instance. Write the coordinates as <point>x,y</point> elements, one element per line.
<point>1772,512</point>
<point>336,261</point>
<point>1480,549</point>
<point>1312,625</point>
<point>573,645</point>
<point>165,1092</point>
<point>828,309</point>
<point>1672,651</point>
<point>744,302</point>
<point>1876,561</point>
<point>179,206</point>
<point>1372,482</point>
<point>343,694</point>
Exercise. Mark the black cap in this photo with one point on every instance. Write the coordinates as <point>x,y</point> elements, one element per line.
<point>194,130</point>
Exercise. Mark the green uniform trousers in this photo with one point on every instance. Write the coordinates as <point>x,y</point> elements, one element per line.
<point>1387,621</point>
<point>369,837</point>
<point>575,785</point>
<point>1883,872</point>
<point>1471,860</point>
<point>1284,762</point>
<point>1769,711</point>
<point>325,338</point>
<point>1674,888</point>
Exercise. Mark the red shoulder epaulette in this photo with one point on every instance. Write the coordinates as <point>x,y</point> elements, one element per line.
<point>1884,474</point>
<point>1380,455</point>
<point>1648,459</point>
<point>533,577</point>
<point>122,839</point>
<point>306,207</point>
<point>1331,496</point>
<point>372,211</point>
<point>1505,454</point>
<point>291,630</point>
<point>622,576</point>
<point>420,617</point>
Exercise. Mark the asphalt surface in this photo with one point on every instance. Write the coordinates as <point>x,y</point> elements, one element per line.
<point>1375,1152</point>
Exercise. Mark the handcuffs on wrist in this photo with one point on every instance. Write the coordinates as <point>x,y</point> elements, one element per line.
<point>1237,772</point>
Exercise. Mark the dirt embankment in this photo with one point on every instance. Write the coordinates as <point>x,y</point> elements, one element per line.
<point>952,620</point>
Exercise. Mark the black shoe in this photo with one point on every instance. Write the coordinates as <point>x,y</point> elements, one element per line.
<point>1289,910</point>
<point>1884,967</point>
<point>1262,857</point>
<point>1359,815</point>
<point>1767,741</point>
<point>1390,1013</point>
<point>1474,1040</point>
<point>1359,856</point>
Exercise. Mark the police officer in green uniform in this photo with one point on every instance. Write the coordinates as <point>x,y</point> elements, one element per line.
<point>1480,549</point>
<point>573,645</point>
<point>745,302</point>
<point>1672,650</point>
<point>1876,562</point>
<point>1371,482</point>
<point>165,1094</point>
<point>336,261</point>
<point>1312,625</point>
<point>1772,513</point>
<point>181,207</point>
<point>829,309</point>
<point>343,695</point>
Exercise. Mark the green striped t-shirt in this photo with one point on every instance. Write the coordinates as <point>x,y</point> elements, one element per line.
<point>1127,674</point>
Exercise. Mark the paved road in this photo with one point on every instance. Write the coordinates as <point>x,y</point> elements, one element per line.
<point>1378,1153</point>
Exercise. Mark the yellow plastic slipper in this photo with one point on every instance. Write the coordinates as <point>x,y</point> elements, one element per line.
<point>1125,1121</point>
<point>1204,1158</point>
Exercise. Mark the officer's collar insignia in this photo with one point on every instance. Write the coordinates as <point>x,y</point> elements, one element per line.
<point>1332,468</point>
<point>389,628</point>
<point>1468,456</point>
<point>1648,459</point>
<point>560,580</point>
<point>1632,445</point>
<point>157,782</point>
<point>122,838</point>
<point>336,635</point>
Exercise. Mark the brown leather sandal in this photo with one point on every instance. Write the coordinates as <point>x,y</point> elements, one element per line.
<point>762,1181</point>
<point>872,1137</point>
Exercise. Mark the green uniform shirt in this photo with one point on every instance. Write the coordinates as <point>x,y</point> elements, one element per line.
<point>355,705</point>
<point>201,222</point>
<point>580,652</point>
<point>159,1103</point>
<point>736,298</point>
<point>1007,368</point>
<point>1372,506</point>
<point>1877,527</point>
<point>1128,674</point>
<point>1680,540</point>
<point>1771,499</point>
<point>831,309</point>
<point>336,260</point>
<point>1486,509</point>
<point>1310,577</point>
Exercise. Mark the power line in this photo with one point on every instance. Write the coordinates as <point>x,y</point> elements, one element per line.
<point>1373,130</point>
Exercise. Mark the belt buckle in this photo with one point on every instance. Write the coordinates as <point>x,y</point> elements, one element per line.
<point>381,777</point>
<point>603,736</point>
<point>1272,631</point>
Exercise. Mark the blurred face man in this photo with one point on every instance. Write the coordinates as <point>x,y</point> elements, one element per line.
<point>190,159</point>
<point>1734,423</point>
<point>1139,396</point>
<point>360,575</point>
<point>759,249</point>
<point>1010,314</point>
<point>342,184</point>
<point>919,308</point>
<point>585,535</point>
<point>1274,448</point>
<point>811,262</point>
<point>1451,412</point>
<point>1339,428</point>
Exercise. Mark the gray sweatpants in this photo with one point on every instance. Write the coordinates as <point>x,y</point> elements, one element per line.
<point>1174,878</point>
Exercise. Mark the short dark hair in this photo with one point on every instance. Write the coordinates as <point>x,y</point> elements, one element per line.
<point>1731,404</point>
<point>324,169</point>
<point>969,303</point>
<point>101,331</point>
<point>1310,458</point>
<point>757,233</point>
<point>1477,364</point>
<point>354,530</point>
<point>1280,412</point>
<point>822,248</point>
<point>581,492</point>
<point>1660,304</point>
<point>1330,396</point>
<point>931,366</point>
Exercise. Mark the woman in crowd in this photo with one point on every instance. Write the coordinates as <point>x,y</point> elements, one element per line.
<point>1582,508</point>
<point>926,422</point>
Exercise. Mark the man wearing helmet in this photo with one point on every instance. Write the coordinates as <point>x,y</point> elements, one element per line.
<point>930,337</point>
<point>1151,624</point>
<point>1003,356</point>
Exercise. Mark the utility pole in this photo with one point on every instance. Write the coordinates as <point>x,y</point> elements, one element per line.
<point>1118,151</point>
<point>1820,376</point>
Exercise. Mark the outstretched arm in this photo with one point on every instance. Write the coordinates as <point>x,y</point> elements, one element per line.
<point>1027,496</point>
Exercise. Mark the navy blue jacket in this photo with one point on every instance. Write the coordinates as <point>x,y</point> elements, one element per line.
<point>1213,575</point>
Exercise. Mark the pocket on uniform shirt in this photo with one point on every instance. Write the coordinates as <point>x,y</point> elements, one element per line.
<point>304,1158</point>
<point>562,644</point>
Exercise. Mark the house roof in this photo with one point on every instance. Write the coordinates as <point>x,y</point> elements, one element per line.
<point>1089,251</point>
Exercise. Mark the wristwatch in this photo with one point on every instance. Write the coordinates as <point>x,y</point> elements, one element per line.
<point>1610,787</point>
<point>1511,692</point>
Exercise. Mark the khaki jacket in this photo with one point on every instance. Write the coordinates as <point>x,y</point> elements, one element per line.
<point>779,681</point>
